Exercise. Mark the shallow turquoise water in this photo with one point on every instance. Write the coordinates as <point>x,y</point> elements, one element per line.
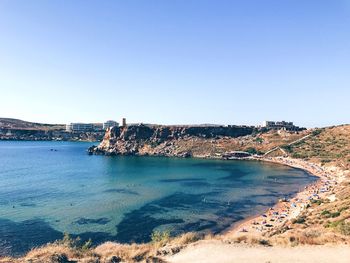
<point>47,188</point>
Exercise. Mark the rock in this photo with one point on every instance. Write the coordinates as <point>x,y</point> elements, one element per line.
<point>161,140</point>
<point>59,258</point>
<point>91,149</point>
<point>114,259</point>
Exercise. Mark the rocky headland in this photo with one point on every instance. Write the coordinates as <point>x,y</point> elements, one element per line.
<point>178,141</point>
<point>192,141</point>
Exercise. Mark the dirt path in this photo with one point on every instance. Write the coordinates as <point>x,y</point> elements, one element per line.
<point>289,144</point>
<point>216,251</point>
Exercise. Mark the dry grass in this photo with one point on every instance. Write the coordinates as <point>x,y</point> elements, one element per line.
<point>323,222</point>
<point>202,147</point>
<point>67,251</point>
<point>327,146</point>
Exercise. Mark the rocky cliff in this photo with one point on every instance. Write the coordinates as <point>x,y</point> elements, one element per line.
<point>181,141</point>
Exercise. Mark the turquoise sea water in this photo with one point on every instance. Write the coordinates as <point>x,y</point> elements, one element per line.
<point>47,188</point>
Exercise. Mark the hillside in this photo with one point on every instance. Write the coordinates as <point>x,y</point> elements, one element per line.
<point>16,124</point>
<point>327,146</point>
<point>210,142</point>
<point>326,219</point>
<point>14,129</point>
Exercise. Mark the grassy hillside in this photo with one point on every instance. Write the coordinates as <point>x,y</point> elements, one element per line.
<point>257,143</point>
<point>327,146</point>
<point>324,221</point>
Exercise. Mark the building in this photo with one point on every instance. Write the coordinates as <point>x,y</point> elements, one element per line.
<point>281,125</point>
<point>79,127</point>
<point>110,124</point>
<point>124,122</point>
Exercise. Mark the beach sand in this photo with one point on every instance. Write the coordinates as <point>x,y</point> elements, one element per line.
<point>216,251</point>
<point>285,210</point>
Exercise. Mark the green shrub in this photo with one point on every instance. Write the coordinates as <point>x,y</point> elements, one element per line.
<point>74,243</point>
<point>259,140</point>
<point>333,224</point>
<point>69,241</point>
<point>335,214</point>
<point>317,202</point>
<point>316,132</point>
<point>299,220</point>
<point>323,161</point>
<point>343,209</point>
<point>87,245</point>
<point>287,148</point>
<point>160,236</point>
<point>325,213</point>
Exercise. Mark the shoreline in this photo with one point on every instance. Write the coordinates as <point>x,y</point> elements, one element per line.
<point>254,225</point>
<point>285,210</point>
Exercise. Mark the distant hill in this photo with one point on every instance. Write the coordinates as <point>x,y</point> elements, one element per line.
<point>16,124</point>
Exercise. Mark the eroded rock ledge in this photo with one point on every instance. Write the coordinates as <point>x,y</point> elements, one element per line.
<point>179,141</point>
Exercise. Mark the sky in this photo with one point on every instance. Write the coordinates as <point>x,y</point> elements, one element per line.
<point>176,61</point>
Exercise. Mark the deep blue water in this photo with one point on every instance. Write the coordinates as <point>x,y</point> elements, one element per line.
<point>47,188</point>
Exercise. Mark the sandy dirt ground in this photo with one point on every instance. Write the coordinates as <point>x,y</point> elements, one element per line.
<point>216,251</point>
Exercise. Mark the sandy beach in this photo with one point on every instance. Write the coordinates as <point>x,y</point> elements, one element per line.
<point>287,209</point>
<point>226,249</point>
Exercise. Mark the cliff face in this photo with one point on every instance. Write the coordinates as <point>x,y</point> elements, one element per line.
<point>182,141</point>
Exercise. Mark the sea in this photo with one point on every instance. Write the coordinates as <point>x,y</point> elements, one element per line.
<point>48,188</point>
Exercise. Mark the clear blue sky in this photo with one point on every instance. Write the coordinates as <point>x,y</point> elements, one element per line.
<point>176,62</point>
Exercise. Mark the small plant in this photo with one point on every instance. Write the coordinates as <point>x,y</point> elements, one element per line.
<point>299,220</point>
<point>323,161</point>
<point>287,148</point>
<point>312,233</point>
<point>264,242</point>
<point>344,228</point>
<point>325,212</point>
<point>316,132</point>
<point>317,202</point>
<point>75,243</point>
<point>87,245</point>
<point>335,214</point>
<point>69,241</point>
<point>343,209</point>
<point>160,236</point>
<point>259,140</point>
<point>252,150</point>
<point>333,224</point>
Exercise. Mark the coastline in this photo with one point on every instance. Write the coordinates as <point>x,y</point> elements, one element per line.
<point>183,247</point>
<point>283,211</point>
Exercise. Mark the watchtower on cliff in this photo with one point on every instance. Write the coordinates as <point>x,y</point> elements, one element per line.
<point>124,122</point>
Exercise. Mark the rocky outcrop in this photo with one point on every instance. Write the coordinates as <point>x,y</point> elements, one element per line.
<point>180,141</point>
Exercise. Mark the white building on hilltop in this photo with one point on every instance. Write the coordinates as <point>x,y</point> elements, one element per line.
<point>281,125</point>
<point>79,127</point>
<point>110,124</point>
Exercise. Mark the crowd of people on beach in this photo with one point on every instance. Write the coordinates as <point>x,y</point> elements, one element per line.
<point>287,209</point>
